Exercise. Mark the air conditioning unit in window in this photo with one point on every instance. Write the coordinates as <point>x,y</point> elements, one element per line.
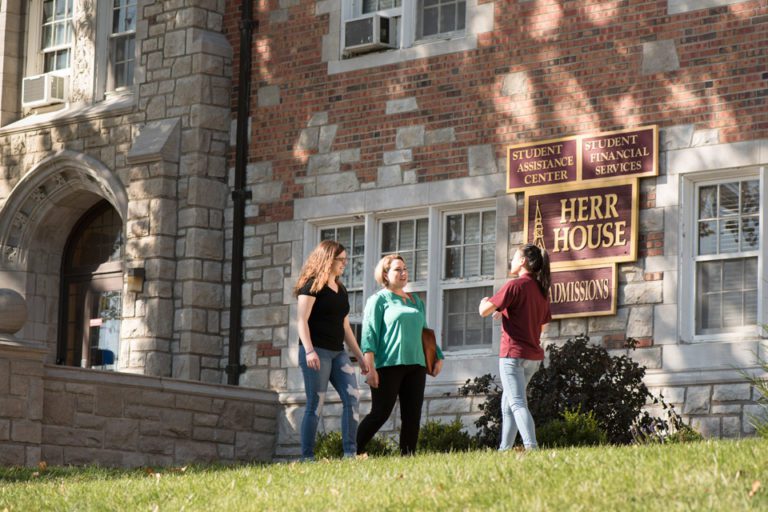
<point>367,34</point>
<point>41,90</point>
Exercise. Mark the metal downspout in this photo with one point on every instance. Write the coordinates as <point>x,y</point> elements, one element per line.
<point>239,194</point>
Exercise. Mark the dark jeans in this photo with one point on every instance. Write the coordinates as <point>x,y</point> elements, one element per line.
<point>403,381</point>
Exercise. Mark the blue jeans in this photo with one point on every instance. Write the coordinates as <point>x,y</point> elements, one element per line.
<point>515,374</point>
<point>336,368</point>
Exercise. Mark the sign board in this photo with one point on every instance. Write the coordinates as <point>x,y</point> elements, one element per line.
<point>585,291</point>
<point>631,153</point>
<point>584,225</point>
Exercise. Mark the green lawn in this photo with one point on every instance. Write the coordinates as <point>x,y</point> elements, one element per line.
<point>716,475</point>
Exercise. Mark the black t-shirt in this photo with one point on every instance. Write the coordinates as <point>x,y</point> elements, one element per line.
<point>326,321</point>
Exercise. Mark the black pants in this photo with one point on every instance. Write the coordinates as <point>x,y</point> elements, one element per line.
<point>403,381</point>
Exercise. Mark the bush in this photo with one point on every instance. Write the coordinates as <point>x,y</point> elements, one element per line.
<point>443,438</point>
<point>489,424</point>
<point>584,377</point>
<point>760,421</point>
<point>573,429</point>
<point>329,446</point>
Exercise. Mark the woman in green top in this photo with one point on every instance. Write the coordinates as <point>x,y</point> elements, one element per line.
<point>391,344</point>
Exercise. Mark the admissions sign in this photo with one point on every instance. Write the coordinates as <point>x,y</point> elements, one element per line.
<point>586,291</point>
<point>580,224</point>
<point>608,155</point>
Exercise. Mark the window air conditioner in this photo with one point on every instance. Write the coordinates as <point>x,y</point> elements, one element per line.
<point>367,34</point>
<point>41,90</point>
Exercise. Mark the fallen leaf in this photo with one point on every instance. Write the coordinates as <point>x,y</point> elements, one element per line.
<point>149,471</point>
<point>755,488</point>
<point>42,465</point>
<point>362,456</point>
<point>35,474</point>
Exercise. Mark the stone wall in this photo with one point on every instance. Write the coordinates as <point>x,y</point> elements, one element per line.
<point>72,416</point>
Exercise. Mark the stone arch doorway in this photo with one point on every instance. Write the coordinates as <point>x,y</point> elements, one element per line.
<point>91,291</point>
<point>36,221</point>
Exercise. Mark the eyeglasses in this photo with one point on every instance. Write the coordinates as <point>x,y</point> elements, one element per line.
<point>341,260</point>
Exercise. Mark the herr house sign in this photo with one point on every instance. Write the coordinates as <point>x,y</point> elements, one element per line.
<point>581,205</point>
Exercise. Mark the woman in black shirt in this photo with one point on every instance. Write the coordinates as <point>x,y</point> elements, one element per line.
<point>323,323</point>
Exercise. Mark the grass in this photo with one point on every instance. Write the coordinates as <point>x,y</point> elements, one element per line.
<point>713,475</point>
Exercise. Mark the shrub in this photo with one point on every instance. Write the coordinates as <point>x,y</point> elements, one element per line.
<point>329,446</point>
<point>444,438</point>
<point>760,421</point>
<point>489,424</point>
<point>573,429</point>
<point>584,377</point>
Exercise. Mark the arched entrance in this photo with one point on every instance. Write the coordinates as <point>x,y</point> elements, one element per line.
<point>91,291</point>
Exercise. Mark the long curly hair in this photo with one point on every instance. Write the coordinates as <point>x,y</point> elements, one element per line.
<point>318,266</point>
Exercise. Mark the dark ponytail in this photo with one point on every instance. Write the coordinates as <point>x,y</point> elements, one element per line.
<point>537,263</point>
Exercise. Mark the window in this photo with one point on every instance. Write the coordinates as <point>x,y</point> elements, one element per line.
<point>122,44</point>
<point>726,256</point>
<point>353,239</point>
<point>56,44</point>
<point>441,16</point>
<point>469,248</point>
<point>408,238</point>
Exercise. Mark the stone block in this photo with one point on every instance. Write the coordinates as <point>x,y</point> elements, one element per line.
<point>202,294</point>
<point>109,401</point>
<point>254,446</point>
<point>731,427</point>
<point>196,343</point>
<point>194,403</point>
<point>206,193</point>
<point>187,451</point>
<point>659,57</point>
<point>326,163</point>
<point>337,183</point>
<point>66,436</point>
<point>269,96</point>
<point>121,434</point>
<point>398,157</point>
<point>609,323</point>
<point>482,160</point>
<point>23,431</point>
<point>731,392</point>
<point>58,408</point>
<point>515,84</point>
<point>642,292</point>
<point>441,136</point>
<point>389,176</point>
<point>448,406</point>
<point>402,105</point>
<point>236,416</point>
<point>706,426</point>
<point>327,136</point>
<point>215,435</point>
<point>273,279</point>
<point>409,137</point>
<point>318,119</point>
<point>676,137</point>
<point>640,322</point>
<point>697,400</point>
<point>705,137</point>
<point>308,138</point>
<point>348,156</point>
<point>13,455</point>
<point>682,6</point>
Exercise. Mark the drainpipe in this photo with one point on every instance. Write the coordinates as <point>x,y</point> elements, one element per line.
<point>239,194</point>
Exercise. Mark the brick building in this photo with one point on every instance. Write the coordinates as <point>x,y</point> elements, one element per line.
<point>119,227</point>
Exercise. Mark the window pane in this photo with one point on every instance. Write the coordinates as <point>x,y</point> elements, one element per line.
<point>407,235</point>
<point>750,196</point>
<point>707,202</point>
<point>729,199</point>
<point>429,27</point>
<point>453,262</point>
<point>732,309</point>
<point>471,260</point>
<point>729,235</point>
<point>463,326</point>
<point>489,226</point>
<point>708,279</point>
<point>732,275</point>
<point>750,308</point>
<point>456,301</point>
<point>488,260</point>
<point>327,234</point>
<point>710,312</point>
<point>358,242</point>
<point>472,228</point>
<point>462,14</point>
<point>422,233</point>
<point>453,230</point>
<point>389,237</point>
<point>421,267</point>
<point>448,18</point>
<point>750,229</point>
<point>344,236</point>
<point>707,237</point>
<point>455,335</point>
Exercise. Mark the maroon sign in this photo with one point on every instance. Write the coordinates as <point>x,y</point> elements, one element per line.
<point>620,154</point>
<point>543,163</point>
<point>588,291</point>
<point>584,225</point>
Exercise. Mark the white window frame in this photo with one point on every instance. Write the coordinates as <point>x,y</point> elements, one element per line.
<point>104,80</point>
<point>35,60</point>
<point>354,317</point>
<point>690,184</point>
<point>478,19</point>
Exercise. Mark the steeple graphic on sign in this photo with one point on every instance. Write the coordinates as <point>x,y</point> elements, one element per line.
<point>538,230</point>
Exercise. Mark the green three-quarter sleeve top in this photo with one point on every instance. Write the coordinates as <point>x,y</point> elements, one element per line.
<point>392,329</point>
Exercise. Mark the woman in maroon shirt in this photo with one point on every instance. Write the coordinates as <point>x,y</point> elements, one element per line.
<point>524,306</point>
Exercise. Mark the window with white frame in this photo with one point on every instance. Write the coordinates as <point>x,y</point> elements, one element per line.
<point>468,247</point>
<point>410,239</point>
<point>726,256</point>
<point>353,240</point>
<point>57,35</point>
<point>414,20</point>
<point>122,44</point>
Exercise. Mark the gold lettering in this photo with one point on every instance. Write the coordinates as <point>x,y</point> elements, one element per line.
<point>560,238</point>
